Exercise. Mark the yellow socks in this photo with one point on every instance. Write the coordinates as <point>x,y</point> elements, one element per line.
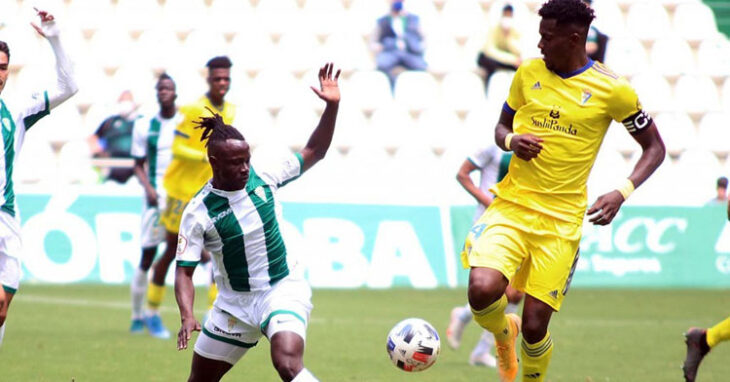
<point>536,358</point>
<point>212,294</point>
<point>493,319</point>
<point>718,333</point>
<point>155,295</point>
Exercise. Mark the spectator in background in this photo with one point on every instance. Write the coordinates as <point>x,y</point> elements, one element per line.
<point>398,42</point>
<point>502,49</point>
<point>721,197</point>
<point>113,138</point>
<point>596,41</point>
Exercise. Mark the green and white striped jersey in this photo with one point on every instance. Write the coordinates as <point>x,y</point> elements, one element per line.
<point>241,231</point>
<point>152,139</point>
<point>14,125</point>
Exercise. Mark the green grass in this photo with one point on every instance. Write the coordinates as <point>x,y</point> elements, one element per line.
<point>79,332</point>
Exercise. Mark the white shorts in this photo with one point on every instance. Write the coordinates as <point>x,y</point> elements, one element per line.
<point>228,334</point>
<point>153,233</point>
<point>10,250</point>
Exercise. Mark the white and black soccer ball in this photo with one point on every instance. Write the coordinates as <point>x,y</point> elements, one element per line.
<point>413,345</point>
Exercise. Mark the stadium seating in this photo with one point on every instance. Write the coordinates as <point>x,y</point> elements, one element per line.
<point>669,49</point>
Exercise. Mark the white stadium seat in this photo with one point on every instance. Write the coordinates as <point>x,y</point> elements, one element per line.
<point>659,189</point>
<point>654,91</point>
<point>618,139</point>
<point>36,163</point>
<point>626,56</point>
<point>439,127</point>
<point>278,17</point>
<point>255,123</point>
<point>363,15</point>
<point>697,171</point>
<point>295,124</point>
<point>272,88</point>
<point>677,131</point>
<point>74,163</point>
<point>206,44</point>
<point>298,52</point>
<point>416,170</point>
<point>415,91</point>
<point>463,18</point>
<point>499,84</point>
<point>391,127</point>
<point>228,15</point>
<point>713,57</point>
<point>352,127</point>
<point>324,17</point>
<point>444,55</point>
<point>726,95</point>
<point>609,19</point>
<point>647,20</point>
<point>462,91</point>
<point>138,15</point>
<point>369,90</point>
<point>714,132</point>
<point>608,171</point>
<point>183,15</point>
<point>672,57</point>
<point>158,49</point>
<point>253,51</point>
<point>349,52</point>
<point>694,21</point>
<point>696,94</point>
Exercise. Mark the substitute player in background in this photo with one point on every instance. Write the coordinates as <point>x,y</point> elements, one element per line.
<point>235,217</point>
<point>152,152</point>
<point>16,117</point>
<point>554,121</point>
<point>187,173</point>
<point>492,164</point>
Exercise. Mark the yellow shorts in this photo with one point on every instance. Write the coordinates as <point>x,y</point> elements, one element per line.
<point>172,214</point>
<point>523,245</point>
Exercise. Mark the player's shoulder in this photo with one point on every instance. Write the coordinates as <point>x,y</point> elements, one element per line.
<point>196,206</point>
<point>602,73</point>
<point>533,64</point>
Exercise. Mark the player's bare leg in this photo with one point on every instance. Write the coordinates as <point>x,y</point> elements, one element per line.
<point>481,355</point>
<point>207,370</point>
<point>287,353</point>
<point>8,297</point>
<point>537,345</point>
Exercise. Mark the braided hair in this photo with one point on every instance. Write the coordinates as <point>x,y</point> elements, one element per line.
<point>5,49</point>
<point>215,130</point>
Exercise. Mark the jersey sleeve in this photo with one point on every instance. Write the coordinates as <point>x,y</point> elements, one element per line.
<point>190,239</point>
<point>35,107</point>
<point>626,108</point>
<point>283,172</point>
<point>481,157</point>
<point>139,139</point>
<point>516,97</point>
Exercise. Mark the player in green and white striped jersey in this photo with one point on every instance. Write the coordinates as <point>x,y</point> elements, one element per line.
<point>16,117</point>
<point>152,152</point>
<point>235,218</point>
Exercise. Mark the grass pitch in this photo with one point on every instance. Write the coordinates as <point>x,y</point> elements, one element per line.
<point>79,332</point>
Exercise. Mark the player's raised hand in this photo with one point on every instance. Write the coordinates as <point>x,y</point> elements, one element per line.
<point>189,325</point>
<point>526,146</point>
<point>606,208</point>
<point>48,24</point>
<point>329,91</point>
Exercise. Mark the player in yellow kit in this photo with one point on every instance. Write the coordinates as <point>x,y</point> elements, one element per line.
<point>554,121</point>
<point>187,173</point>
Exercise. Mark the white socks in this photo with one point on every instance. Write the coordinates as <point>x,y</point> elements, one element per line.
<point>139,291</point>
<point>2,333</point>
<point>466,314</point>
<point>511,308</point>
<point>305,376</point>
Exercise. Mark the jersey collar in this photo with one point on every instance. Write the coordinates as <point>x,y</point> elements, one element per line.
<point>576,72</point>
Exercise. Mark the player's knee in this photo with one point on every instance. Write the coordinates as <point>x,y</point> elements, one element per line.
<point>533,328</point>
<point>288,366</point>
<point>485,288</point>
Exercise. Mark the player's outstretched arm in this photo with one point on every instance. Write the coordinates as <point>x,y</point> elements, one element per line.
<point>465,180</point>
<point>185,295</point>
<point>65,82</point>
<point>652,155</point>
<point>525,146</point>
<point>320,140</point>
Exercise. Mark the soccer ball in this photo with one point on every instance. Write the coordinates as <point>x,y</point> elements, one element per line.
<point>413,345</point>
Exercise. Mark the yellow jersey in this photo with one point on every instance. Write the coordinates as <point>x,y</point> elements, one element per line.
<point>571,112</point>
<point>189,169</point>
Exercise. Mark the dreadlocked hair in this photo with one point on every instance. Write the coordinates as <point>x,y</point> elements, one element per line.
<point>215,130</point>
<point>567,12</point>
